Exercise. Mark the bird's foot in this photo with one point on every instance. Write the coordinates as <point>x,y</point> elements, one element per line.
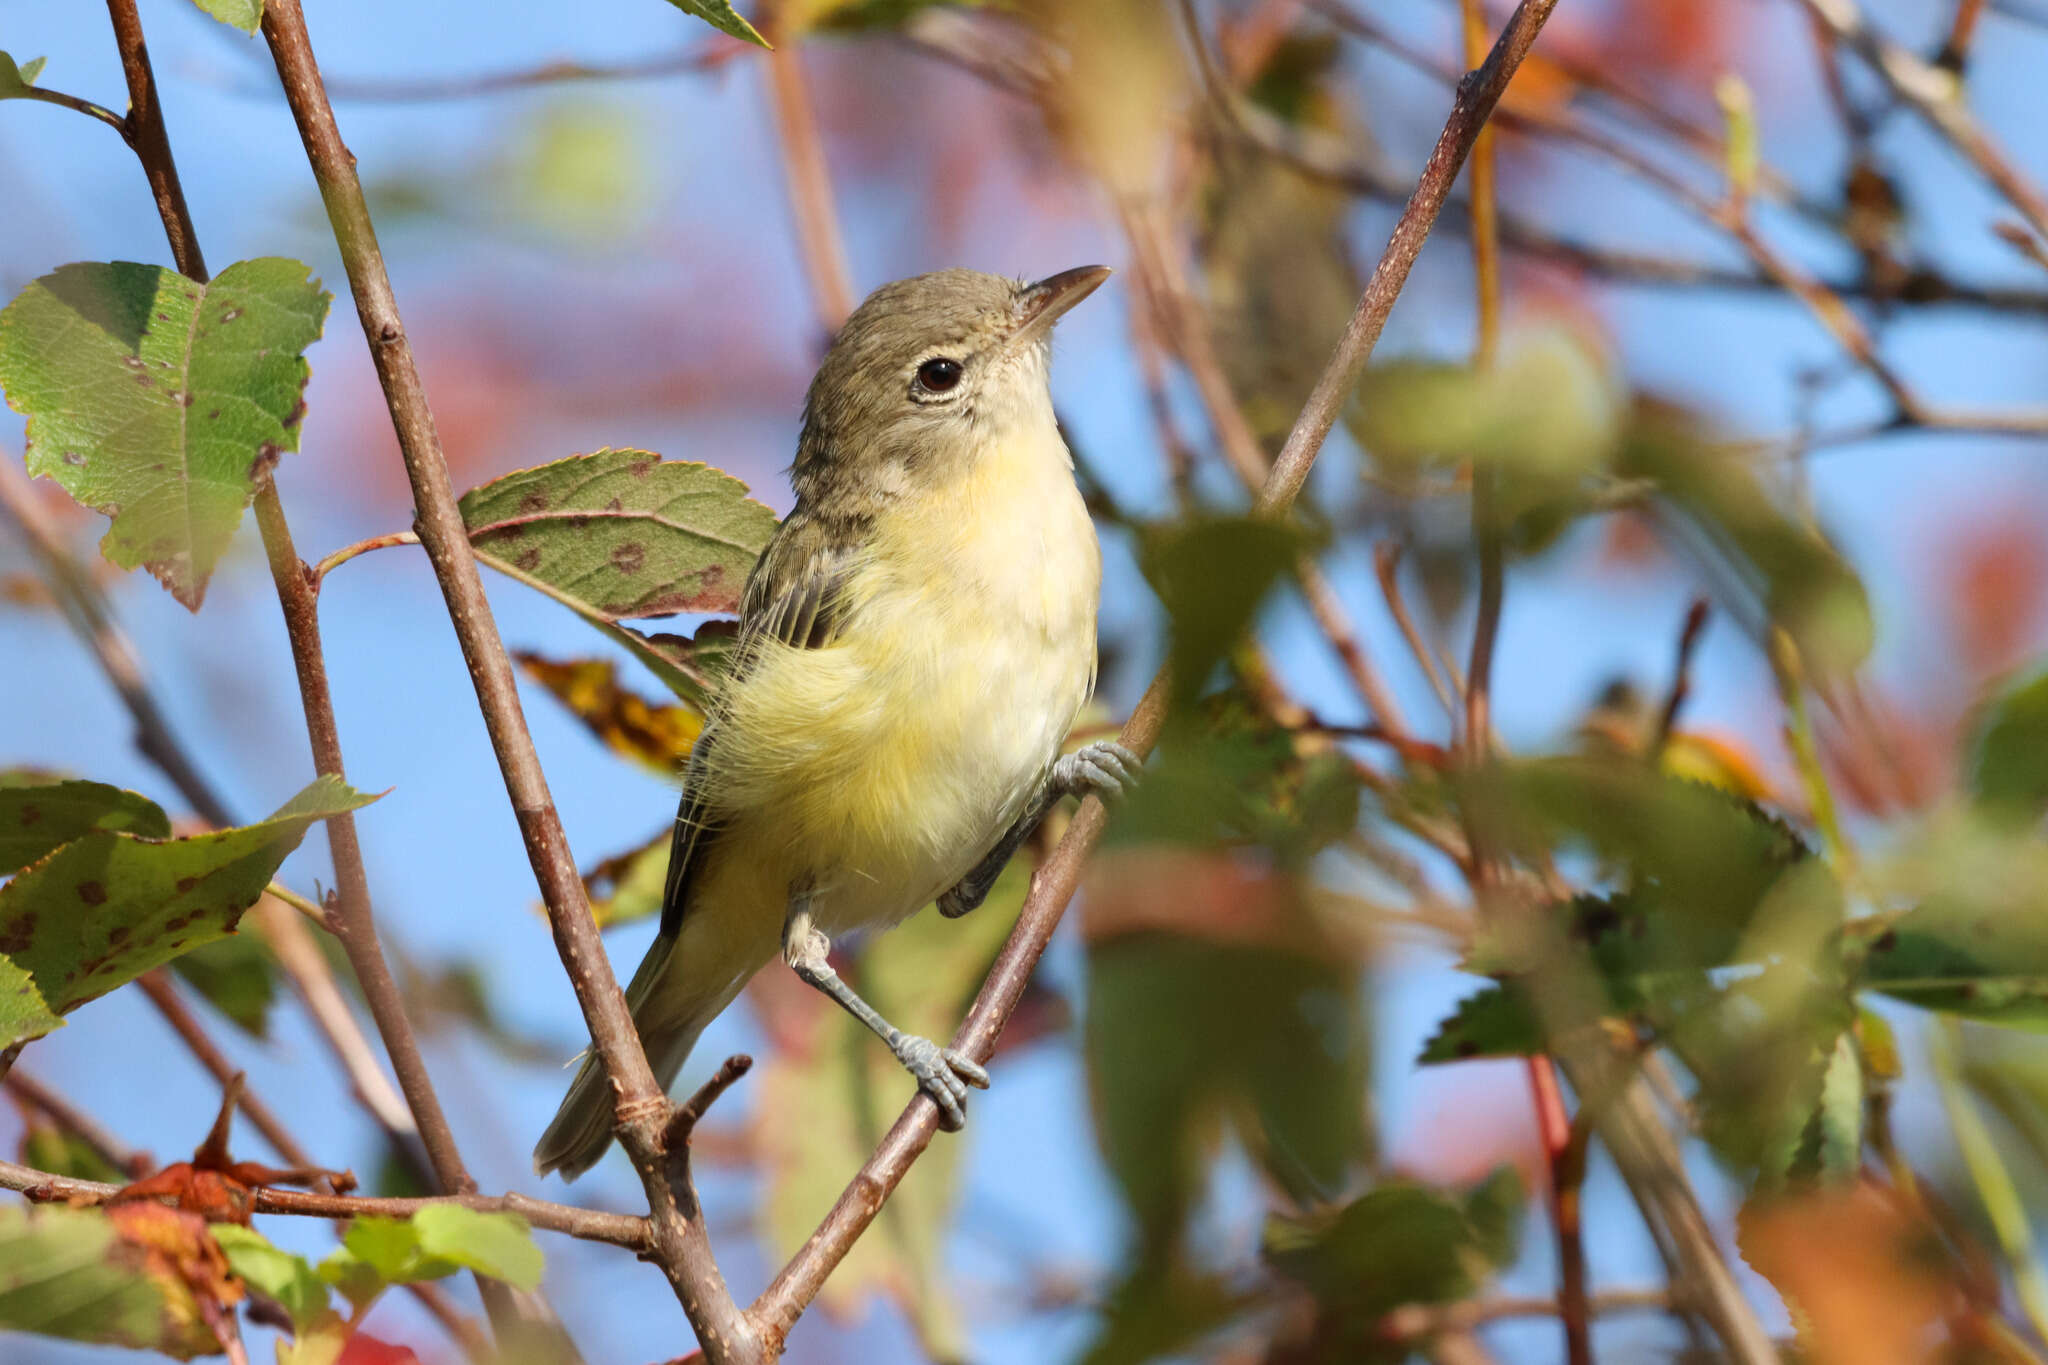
<point>1105,769</point>
<point>943,1073</point>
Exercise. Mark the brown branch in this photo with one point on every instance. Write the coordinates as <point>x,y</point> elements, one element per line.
<point>590,1225</point>
<point>152,145</point>
<point>1681,676</point>
<point>1386,563</point>
<point>1936,95</point>
<point>1163,280</point>
<point>1419,1320</point>
<point>296,596</point>
<point>678,1240</point>
<point>799,1281</point>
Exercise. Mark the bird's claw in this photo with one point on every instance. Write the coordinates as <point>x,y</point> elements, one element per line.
<point>1105,769</point>
<point>943,1073</point>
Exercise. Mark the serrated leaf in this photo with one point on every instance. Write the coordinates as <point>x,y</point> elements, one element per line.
<point>16,80</point>
<point>276,1274</point>
<point>246,15</point>
<point>36,819</point>
<point>499,1245</point>
<point>658,738</point>
<point>67,1273</point>
<point>722,16</point>
<point>108,906</point>
<point>622,533</point>
<point>1494,1022</point>
<point>353,1277</point>
<point>160,401</point>
<point>24,1013</point>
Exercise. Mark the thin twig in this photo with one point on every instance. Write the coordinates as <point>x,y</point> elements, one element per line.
<point>1681,677</point>
<point>809,179</point>
<point>1936,95</point>
<point>679,1242</point>
<point>697,57</point>
<point>590,1225</point>
<point>152,145</point>
<point>79,105</point>
<point>1419,1320</point>
<point>1386,563</point>
<point>93,619</point>
<point>361,547</point>
<point>1057,877</point>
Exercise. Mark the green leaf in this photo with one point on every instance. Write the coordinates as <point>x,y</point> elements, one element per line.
<point>1493,1022</point>
<point>1213,574</point>
<point>1840,1116</point>
<point>67,1273</point>
<point>622,533</point>
<point>277,1274</point>
<point>436,1241</point>
<point>1182,1032</point>
<point>110,905</point>
<point>246,15</point>
<point>24,1013</point>
<point>15,80</point>
<point>722,16</point>
<point>237,975</point>
<point>46,1147</point>
<point>1397,1244</point>
<point>34,820</point>
<point>355,1278</point>
<point>1771,563</point>
<point>160,401</point>
<point>2009,768</point>
<point>499,1245</point>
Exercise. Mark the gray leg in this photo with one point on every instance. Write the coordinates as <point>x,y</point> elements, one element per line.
<point>1105,768</point>
<point>941,1072</point>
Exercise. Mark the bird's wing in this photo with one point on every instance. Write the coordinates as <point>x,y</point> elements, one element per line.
<point>793,598</point>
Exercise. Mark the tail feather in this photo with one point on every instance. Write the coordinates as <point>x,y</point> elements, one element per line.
<point>582,1127</point>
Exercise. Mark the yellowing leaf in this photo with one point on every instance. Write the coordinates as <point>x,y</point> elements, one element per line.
<point>69,1273</point>
<point>659,738</point>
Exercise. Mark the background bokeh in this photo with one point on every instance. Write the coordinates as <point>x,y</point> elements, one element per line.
<point>614,263</point>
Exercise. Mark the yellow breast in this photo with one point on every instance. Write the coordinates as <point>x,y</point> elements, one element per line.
<point>884,765</point>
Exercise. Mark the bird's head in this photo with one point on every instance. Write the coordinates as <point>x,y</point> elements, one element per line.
<point>929,369</point>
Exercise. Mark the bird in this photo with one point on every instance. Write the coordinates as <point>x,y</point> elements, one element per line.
<point>914,645</point>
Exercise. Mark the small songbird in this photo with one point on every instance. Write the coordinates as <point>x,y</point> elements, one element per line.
<point>914,646</point>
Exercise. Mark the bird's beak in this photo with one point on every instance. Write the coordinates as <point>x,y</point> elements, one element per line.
<point>1043,304</point>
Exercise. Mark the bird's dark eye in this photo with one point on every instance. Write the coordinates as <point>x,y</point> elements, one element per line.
<point>937,376</point>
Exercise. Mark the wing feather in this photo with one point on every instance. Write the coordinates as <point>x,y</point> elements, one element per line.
<point>794,597</point>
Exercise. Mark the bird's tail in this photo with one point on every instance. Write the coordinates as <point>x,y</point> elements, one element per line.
<point>669,1028</point>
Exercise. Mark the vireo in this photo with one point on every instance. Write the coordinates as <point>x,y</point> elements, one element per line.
<point>914,645</point>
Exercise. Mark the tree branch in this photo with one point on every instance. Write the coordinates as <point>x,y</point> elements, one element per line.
<point>799,1281</point>
<point>1936,94</point>
<point>679,1242</point>
<point>589,1225</point>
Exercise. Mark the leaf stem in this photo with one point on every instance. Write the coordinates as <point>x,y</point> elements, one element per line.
<point>361,547</point>
<point>83,106</point>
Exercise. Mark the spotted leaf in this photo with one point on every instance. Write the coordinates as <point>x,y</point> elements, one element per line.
<point>159,400</point>
<point>109,905</point>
